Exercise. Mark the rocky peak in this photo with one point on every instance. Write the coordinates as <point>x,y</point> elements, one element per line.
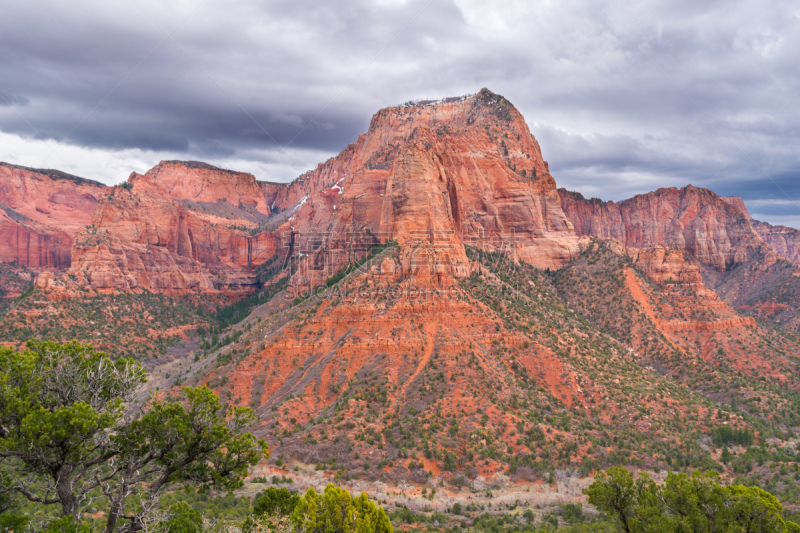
<point>738,203</point>
<point>436,177</point>
<point>200,182</point>
<point>485,113</point>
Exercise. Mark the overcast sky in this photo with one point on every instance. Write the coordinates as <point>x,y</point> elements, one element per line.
<point>623,96</point>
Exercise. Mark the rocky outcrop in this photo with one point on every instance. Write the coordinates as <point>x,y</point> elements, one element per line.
<point>40,213</point>
<point>714,231</point>
<point>662,265</point>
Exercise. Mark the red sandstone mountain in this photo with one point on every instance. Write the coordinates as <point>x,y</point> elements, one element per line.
<point>40,213</point>
<point>433,178</point>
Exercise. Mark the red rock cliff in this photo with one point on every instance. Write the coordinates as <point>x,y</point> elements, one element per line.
<point>785,241</point>
<point>179,228</point>
<point>200,182</point>
<point>717,233</point>
<point>40,213</point>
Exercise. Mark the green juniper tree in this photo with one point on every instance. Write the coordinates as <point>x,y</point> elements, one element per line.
<point>696,503</point>
<point>68,438</point>
<point>336,511</point>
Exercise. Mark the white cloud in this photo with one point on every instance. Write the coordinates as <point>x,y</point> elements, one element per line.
<point>114,166</point>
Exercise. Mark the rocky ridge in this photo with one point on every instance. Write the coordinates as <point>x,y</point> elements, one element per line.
<point>740,258</point>
<point>714,232</point>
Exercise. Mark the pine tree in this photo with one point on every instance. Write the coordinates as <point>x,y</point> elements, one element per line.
<point>726,455</point>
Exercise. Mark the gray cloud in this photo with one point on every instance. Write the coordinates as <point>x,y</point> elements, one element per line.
<point>623,97</point>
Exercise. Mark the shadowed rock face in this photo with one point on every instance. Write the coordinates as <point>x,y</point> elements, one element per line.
<point>40,213</point>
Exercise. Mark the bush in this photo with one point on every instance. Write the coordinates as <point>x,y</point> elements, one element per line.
<point>275,501</point>
<point>697,501</point>
<point>335,511</point>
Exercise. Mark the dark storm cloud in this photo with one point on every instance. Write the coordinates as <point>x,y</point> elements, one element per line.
<point>118,81</point>
<point>624,97</point>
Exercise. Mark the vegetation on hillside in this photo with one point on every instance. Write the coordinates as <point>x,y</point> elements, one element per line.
<point>127,324</point>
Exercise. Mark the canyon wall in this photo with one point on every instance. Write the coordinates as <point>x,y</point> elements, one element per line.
<point>715,232</point>
<point>41,211</point>
<point>179,228</point>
